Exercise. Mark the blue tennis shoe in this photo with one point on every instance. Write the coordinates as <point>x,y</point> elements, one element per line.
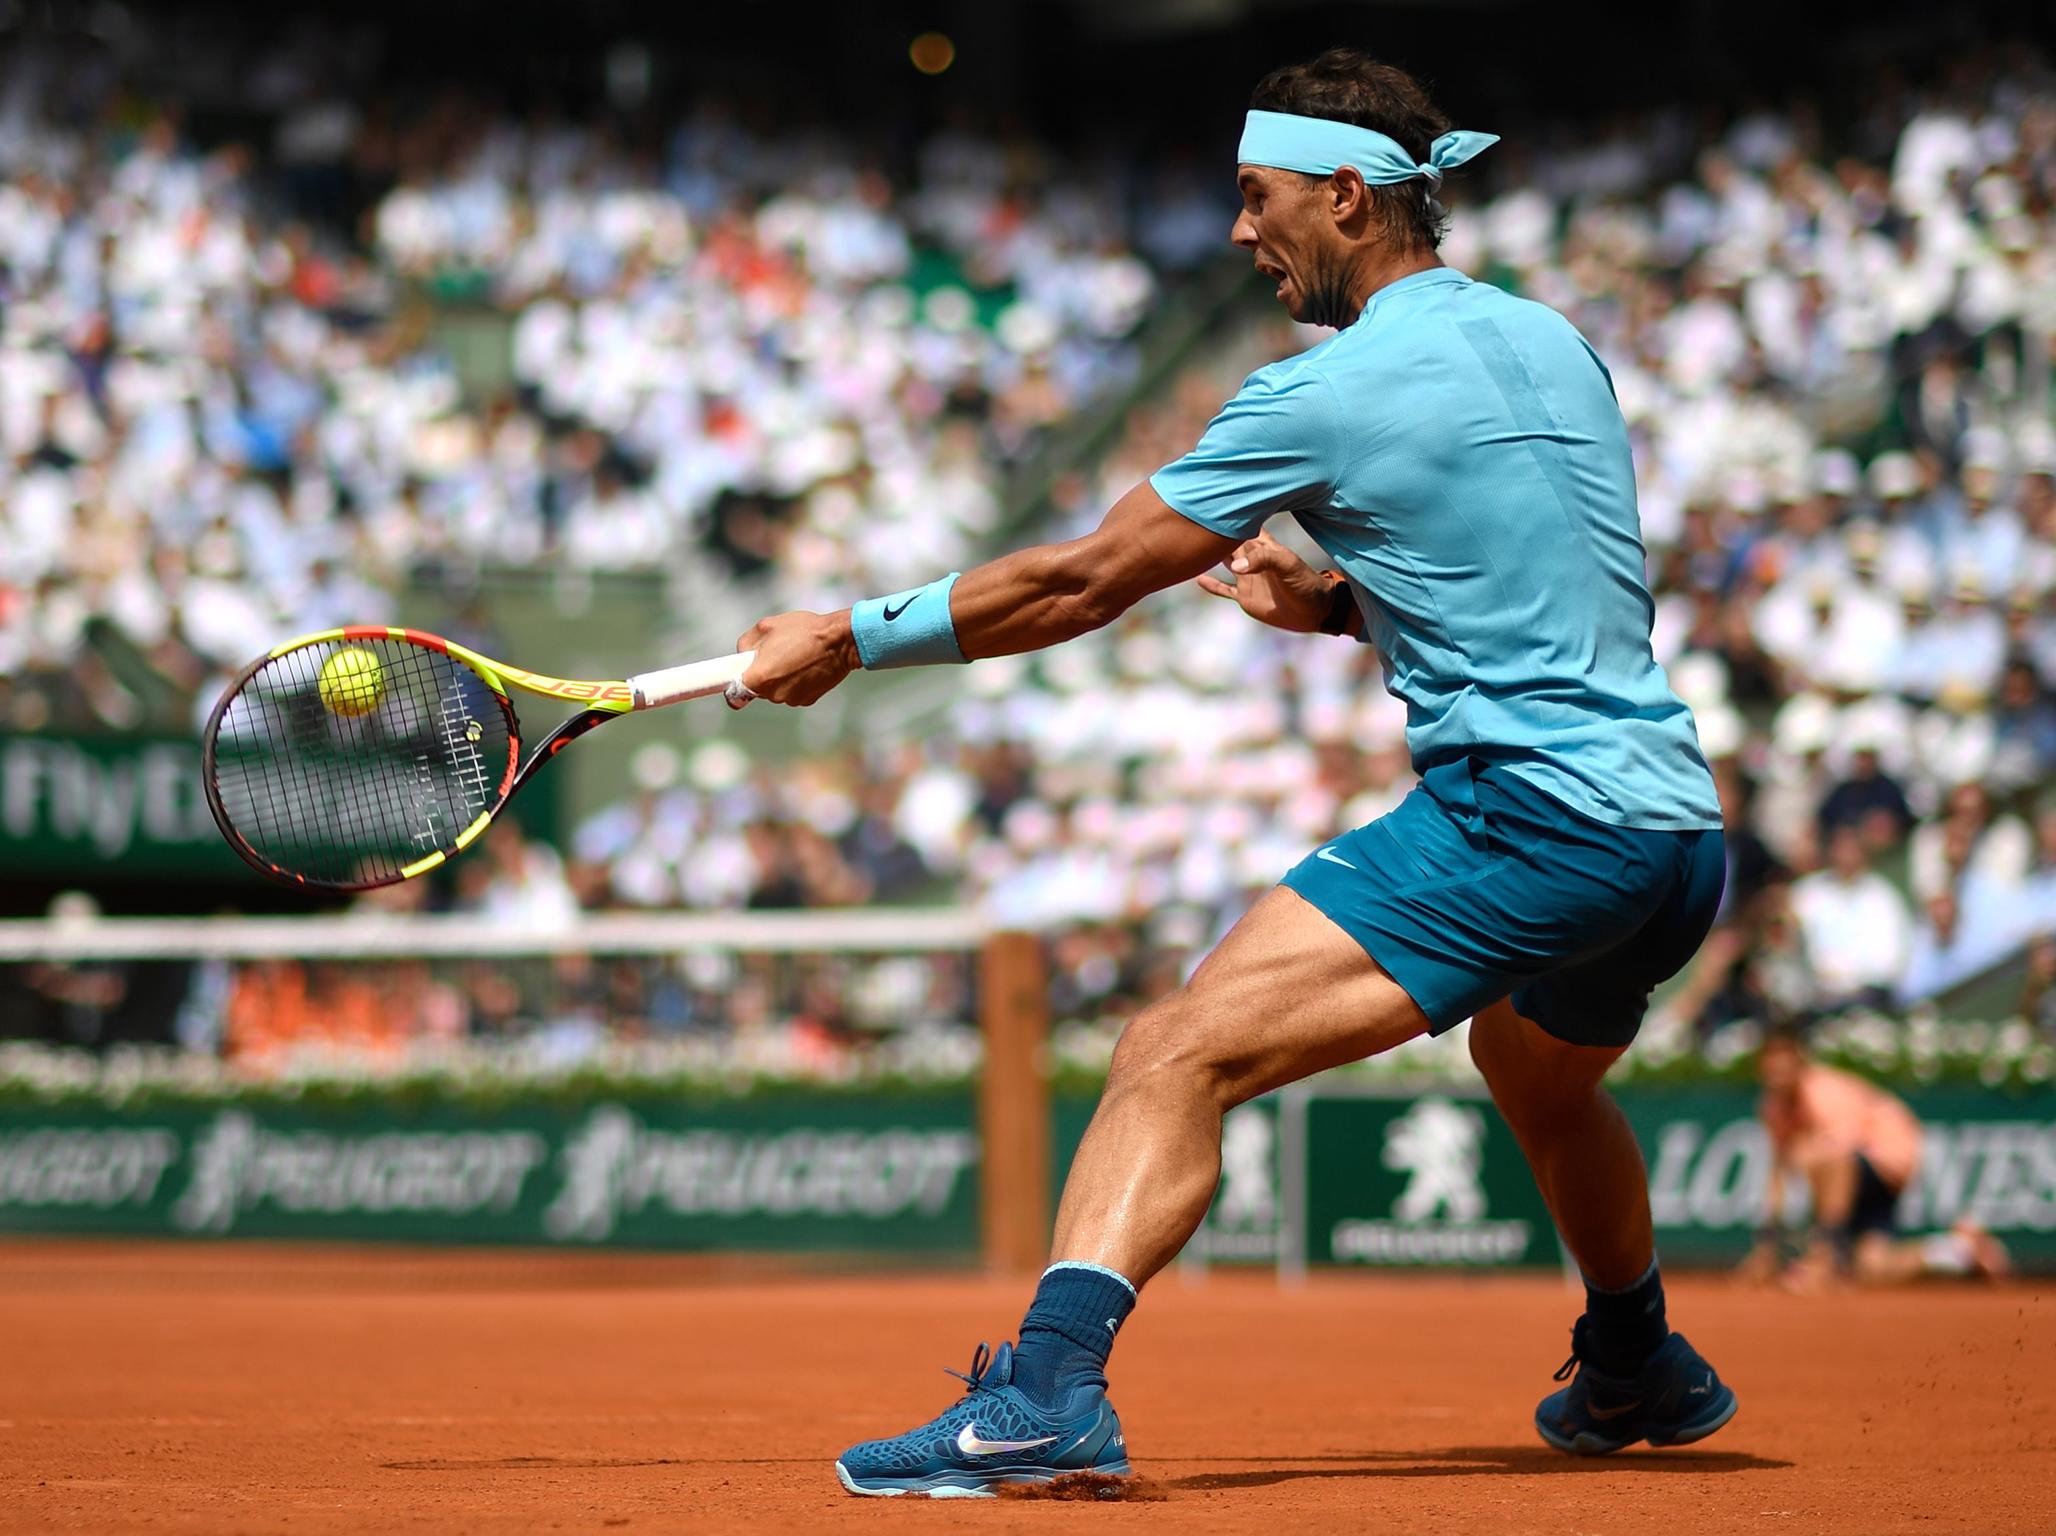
<point>993,1435</point>
<point>1673,1400</point>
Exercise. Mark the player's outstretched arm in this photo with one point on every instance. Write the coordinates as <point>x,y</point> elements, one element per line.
<point>1025,601</point>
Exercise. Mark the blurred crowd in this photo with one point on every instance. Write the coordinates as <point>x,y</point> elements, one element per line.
<point>225,415</point>
<point>1836,353</point>
<point>1839,370</point>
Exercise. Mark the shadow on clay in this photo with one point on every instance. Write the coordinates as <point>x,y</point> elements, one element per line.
<point>1467,1461</point>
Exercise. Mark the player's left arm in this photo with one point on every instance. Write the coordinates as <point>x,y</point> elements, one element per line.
<point>1025,601</point>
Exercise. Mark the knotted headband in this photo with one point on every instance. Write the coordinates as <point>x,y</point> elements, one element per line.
<point>1320,146</point>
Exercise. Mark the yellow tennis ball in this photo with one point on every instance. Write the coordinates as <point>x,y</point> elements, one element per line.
<point>352,682</point>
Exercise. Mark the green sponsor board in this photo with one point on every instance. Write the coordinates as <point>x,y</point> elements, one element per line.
<point>1434,1181</point>
<point>82,806</point>
<point>79,808</point>
<point>1986,1157</point>
<point>1307,1176</point>
<point>1250,1221</point>
<point>786,1174</point>
<point>1314,1175</point>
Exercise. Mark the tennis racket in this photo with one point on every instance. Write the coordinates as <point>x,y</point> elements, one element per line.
<point>364,756</point>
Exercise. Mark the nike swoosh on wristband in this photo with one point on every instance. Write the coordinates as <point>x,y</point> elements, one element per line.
<point>892,613</point>
<point>1334,858</point>
<point>969,1443</point>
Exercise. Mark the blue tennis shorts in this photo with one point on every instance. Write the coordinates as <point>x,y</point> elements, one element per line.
<point>1480,886</point>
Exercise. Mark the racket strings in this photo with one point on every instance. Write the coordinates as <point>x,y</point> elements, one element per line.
<point>392,766</point>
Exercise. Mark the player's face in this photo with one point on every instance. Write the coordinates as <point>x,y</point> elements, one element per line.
<point>1282,225</point>
<point>1778,1067</point>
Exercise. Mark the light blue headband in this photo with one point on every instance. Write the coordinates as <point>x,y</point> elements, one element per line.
<point>1320,146</point>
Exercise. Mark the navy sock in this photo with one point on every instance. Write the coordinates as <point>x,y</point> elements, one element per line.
<point>1624,1327</point>
<point>1068,1334</point>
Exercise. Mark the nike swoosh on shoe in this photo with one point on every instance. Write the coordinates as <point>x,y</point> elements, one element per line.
<point>969,1443</point>
<point>1603,1414</point>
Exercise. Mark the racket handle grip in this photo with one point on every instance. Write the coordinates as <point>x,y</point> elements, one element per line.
<point>694,680</point>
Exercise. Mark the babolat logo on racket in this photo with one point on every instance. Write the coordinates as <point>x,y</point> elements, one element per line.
<point>560,688</point>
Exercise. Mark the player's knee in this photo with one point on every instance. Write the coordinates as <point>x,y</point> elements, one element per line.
<point>1534,1095</point>
<point>1161,1047</point>
<point>1508,1069</point>
<point>1488,1049</point>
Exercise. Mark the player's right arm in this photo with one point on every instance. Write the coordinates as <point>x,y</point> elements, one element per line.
<point>1026,601</point>
<point>1040,597</point>
<point>1275,447</point>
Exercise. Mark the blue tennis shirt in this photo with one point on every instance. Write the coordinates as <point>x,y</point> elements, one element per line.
<point>1459,454</point>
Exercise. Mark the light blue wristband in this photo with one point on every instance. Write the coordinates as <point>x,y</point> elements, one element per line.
<point>908,629</point>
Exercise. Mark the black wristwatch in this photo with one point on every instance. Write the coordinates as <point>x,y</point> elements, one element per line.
<point>1343,615</point>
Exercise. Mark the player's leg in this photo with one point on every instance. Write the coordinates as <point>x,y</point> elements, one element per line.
<point>1835,1182</point>
<point>1636,1380</point>
<point>1544,1052</point>
<point>1878,1255</point>
<point>1585,1158</point>
<point>1286,994</point>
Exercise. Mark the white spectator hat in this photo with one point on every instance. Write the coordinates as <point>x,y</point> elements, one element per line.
<point>1866,726</point>
<point>1997,196</point>
<point>1700,678</point>
<point>1894,476</point>
<point>1784,485</point>
<point>1985,448</point>
<point>2036,445</point>
<point>2014,233</point>
<point>654,766</point>
<point>73,908</point>
<point>949,309</point>
<point>1720,731</point>
<point>1027,328</point>
<point>1953,748</point>
<point>716,766</point>
<point>1836,472</point>
<point>1804,725</point>
<point>1745,492</point>
<point>1029,826</point>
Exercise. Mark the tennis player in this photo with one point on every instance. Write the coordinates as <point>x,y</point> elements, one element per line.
<point>1459,455</point>
<point>1857,1148</point>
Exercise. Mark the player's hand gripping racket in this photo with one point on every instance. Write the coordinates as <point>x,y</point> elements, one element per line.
<point>361,757</point>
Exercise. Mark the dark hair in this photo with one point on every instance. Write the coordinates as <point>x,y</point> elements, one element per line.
<point>1347,85</point>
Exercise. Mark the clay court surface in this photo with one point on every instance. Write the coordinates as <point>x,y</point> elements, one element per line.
<point>243,1388</point>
